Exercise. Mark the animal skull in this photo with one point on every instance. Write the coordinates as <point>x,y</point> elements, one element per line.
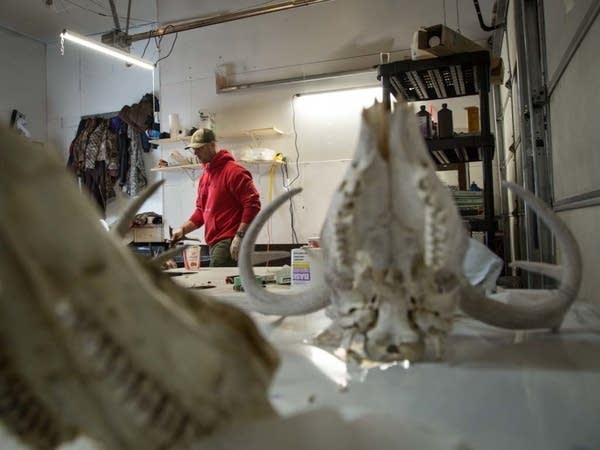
<point>393,244</point>
<point>92,340</point>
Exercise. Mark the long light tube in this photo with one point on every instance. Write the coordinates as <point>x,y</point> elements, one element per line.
<point>106,49</point>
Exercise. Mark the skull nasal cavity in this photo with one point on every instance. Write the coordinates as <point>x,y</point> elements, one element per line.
<point>393,349</point>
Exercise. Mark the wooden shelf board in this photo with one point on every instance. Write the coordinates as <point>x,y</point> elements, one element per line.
<point>269,131</point>
<point>175,168</point>
<point>261,161</point>
<point>255,132</point>
<point>170,140</point>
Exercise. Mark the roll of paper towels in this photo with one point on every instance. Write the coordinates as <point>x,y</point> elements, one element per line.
<point>174,126</point>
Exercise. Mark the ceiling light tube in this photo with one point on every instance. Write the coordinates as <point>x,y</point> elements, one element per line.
<point>106,49</point>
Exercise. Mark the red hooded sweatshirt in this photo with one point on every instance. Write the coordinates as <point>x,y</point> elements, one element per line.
<point>226,197</point>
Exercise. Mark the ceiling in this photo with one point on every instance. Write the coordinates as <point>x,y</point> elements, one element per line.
<point>33,18</point>
<point>43,20</point>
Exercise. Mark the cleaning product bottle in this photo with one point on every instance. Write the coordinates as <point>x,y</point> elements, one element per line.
<point>445,125</point>
<point>424,122</point>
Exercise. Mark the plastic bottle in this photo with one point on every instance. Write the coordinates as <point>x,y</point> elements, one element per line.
<point>445,124</point>
<point>424,121</point>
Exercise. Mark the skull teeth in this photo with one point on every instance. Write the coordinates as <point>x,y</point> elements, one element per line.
<point>23,413</point>
<point>146,401</point>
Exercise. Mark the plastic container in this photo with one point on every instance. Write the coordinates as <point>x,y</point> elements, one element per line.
<point>424,122</point>
<point>301,275</point>
<point>445,122</point>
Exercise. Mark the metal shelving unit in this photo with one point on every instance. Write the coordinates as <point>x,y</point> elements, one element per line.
<point>449,77</point>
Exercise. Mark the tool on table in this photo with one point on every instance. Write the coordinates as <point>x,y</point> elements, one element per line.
<point>237,282</point>
<point>184,238</point>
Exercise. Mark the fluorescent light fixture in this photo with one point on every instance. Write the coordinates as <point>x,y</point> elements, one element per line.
<point>338,105</point>
<point>106,49</point>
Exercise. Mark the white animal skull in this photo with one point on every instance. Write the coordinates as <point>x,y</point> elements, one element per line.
<point>393,244</point>
<point>92,340</point>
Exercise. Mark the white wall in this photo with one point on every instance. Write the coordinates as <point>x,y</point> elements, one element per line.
<point>23,82</point>
<point>329,37</point>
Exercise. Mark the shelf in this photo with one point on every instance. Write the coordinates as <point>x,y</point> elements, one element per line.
<point>199,166</point>
<point>260,161</point>
<point>170,140</point>
<point>460,149</point>
<point>478,223</point>
<point>448,77</point>
<point>255,132</point>
<point>175,168</point>
<point>436,78</point>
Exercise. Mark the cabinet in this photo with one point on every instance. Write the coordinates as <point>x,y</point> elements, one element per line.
<point>448,77</point>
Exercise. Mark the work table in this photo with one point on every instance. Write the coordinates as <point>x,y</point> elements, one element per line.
<point>494,389</point>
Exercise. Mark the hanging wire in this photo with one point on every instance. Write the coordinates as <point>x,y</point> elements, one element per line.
<point>170,50</point>
<point>457,18</point>
<point>295,143</point>
<point>284,176</point>
<point>71,2</point>
<point>444,6</point>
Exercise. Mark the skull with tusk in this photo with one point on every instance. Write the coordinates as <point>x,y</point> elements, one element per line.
<point>393,243</point>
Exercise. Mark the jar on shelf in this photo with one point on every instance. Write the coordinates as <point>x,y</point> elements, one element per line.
<point>445,122</point>
<point>424,122</point>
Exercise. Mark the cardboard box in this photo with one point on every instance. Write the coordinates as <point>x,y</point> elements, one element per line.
<point>473,118</point>
<point>147,233</point>
<point>439,40</point>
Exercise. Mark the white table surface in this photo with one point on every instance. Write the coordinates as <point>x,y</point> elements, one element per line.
<point>490,391</point>
<point>494,389</point>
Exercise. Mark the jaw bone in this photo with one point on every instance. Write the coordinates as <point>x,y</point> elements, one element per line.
<point>393,244</point>
<point>93,341</point>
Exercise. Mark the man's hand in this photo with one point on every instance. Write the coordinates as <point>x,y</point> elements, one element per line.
<point>178,235</point>
<point>234,249</point>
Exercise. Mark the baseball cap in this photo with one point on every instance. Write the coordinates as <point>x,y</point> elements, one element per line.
<point>201,137</point>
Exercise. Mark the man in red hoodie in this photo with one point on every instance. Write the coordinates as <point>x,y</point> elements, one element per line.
<point>227,201</point>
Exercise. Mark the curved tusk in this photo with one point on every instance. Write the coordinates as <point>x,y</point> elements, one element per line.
<point>297,303</point>
<point>550,270</point>
<point>121,226</point>
<point>547,314</point>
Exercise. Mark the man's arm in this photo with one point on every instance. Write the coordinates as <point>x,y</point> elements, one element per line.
<point>234,248</point>
<point>180,232</point>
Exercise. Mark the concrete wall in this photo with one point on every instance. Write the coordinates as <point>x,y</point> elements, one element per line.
<point>23,82</point>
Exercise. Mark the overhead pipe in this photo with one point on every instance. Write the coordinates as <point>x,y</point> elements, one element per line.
<point>199,23</point>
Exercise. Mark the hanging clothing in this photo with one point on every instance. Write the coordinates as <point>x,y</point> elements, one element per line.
<point>136,176</point>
